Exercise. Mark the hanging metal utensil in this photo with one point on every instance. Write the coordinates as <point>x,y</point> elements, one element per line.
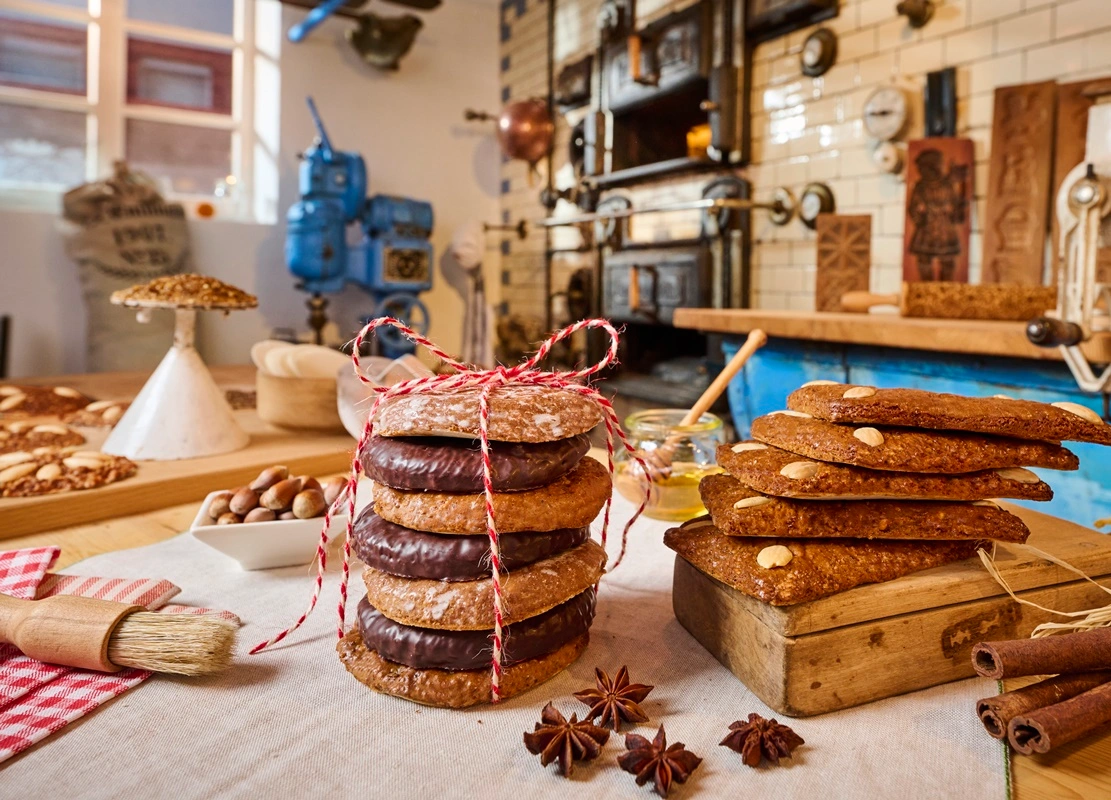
<point>524,128</point>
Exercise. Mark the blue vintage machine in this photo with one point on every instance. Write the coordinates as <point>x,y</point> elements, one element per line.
<point>392,257</point>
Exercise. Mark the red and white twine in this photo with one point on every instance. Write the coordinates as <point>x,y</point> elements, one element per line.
<point>487,381</point>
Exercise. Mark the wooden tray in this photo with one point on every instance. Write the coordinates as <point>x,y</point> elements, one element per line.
<point>159,484</point>
<point>885,639</point>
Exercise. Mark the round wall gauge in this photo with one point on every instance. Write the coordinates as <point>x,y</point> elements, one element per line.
<point>819,51</point>
<point>817,198</point>
<point>885,112</point>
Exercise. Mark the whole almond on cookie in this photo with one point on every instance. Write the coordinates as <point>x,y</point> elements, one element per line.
<point>775,555</point>
<point>48,472</point>
<point>1081,411</point>
<point>12,401</point>
<point>279,497</point>
<point>800,470</point>
<point>859,391</point>
<point>870,436</point>
<point>751,502</point>
<point>243,501</point>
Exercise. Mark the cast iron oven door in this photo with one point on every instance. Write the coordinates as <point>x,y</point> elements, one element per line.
<point>648,285</point>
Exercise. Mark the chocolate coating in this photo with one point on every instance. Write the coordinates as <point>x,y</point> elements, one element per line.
<point>424,648</point>
<point>445,464</point>
<point>402,551</point>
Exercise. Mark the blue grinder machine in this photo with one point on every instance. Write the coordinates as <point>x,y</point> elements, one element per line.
<point>392,258</point>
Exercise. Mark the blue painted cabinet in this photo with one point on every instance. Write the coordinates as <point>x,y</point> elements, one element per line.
<point>783,365</point>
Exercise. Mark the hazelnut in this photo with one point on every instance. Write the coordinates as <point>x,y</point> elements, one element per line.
<point>285,515</point>
<point>268,477</point>
<point>775,555</point>
<point>260,515</point>
<point>220,505</point>
<point>229,519</point>
<point>309,482</point>
<point>308,504</point>
<point>243,501</point>
<point>333,488</point>
<point>751,502</point>
<point>279,497</point>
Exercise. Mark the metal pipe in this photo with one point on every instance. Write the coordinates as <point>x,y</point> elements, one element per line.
<point>703,204</point>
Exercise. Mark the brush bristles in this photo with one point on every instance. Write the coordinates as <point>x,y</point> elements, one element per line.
<point>182,644</point>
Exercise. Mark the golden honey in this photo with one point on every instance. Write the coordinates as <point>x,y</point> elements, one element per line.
<point>678,457</point>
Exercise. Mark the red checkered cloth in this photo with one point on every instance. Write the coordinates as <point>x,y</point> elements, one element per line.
<point>37,699</point>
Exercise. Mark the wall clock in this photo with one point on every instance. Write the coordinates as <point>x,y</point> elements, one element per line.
<point>819,51</point>
<point>885,113</point>
<point>817,198</point>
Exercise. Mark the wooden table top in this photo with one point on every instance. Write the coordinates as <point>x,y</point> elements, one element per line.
<point>971,337</point>
<point>1081,770</point>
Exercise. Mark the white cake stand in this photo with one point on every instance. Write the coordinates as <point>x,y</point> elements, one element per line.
<point>180,412</point>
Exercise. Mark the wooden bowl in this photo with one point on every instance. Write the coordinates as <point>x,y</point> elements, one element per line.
<point>298,403</point>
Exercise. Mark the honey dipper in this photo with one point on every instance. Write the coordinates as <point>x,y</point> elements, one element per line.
<point>658,461</point>
<point>106,636</point>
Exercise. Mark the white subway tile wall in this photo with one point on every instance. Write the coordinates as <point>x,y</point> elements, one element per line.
<point>809,129</point>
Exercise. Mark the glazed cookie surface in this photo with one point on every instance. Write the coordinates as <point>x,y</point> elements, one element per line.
<point>740,511</point>
<point>468,605</point>
<point>816,568</point>
<point>915,408</point>
<point>776,472</point>
<point>437,687</point>
<point>517,414</point>
<point>572,501</point>
<point>906,449</point>
<point>449,464</point>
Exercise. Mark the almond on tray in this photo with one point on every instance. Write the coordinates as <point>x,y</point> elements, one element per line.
<point>274,495</point>
<point>17,401</point>
<point>49,470</point>
<point>30,436</point>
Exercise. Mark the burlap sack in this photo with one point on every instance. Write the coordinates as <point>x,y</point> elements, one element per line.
<point>121,232</point>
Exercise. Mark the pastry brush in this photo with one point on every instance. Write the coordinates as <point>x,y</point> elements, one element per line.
<point>106,636</point>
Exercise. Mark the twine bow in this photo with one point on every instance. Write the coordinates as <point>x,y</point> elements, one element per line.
<point>487,381</point>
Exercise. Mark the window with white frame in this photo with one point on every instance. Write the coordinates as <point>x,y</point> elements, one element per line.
<point>164,84</point>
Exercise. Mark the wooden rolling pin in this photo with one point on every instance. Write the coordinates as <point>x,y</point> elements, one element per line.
<point>943,300</point>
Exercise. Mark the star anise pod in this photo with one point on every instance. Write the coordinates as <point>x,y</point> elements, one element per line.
<point>615,701</point>
<point>656,761</point>
<point>761,738</point>
<point>557,739</point>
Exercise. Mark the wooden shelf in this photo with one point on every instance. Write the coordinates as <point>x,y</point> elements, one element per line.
<point>970,337</point>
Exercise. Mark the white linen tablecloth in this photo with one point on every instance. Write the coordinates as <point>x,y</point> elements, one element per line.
<point>291,722</point>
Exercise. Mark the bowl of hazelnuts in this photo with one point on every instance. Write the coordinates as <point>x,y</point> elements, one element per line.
<point>274,521</point>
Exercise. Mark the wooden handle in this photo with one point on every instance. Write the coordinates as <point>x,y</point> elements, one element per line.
<point>72,631</point>
<point>634,58</point>
<point>756,339</point>
<point>860,302</point>
<point>634,288</point>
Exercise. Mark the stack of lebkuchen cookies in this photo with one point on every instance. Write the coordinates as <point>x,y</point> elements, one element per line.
<point>854,484</point>
<point>425,628</point>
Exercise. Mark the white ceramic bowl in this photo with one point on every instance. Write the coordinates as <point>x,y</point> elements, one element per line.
<point>264,545</point>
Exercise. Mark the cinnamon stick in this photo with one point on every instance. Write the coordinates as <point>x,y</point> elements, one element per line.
<point>1052,655</point>
<point>1046,728</point>
<point>997,712</point>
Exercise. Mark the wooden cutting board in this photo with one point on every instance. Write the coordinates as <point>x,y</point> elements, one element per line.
<point>159,484</point>
<point>1017,203</point>
<point>885,639</point>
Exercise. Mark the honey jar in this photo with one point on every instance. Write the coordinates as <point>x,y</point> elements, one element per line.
<point>677,456</point>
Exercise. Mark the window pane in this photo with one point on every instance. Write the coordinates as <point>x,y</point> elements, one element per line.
<point>214,16</point>
<point>41,146</point>
<point>164,74</point>
<point>181,158</point>
<point>37,54</point>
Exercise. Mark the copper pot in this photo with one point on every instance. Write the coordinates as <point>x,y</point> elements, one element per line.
<point>525,130</point>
